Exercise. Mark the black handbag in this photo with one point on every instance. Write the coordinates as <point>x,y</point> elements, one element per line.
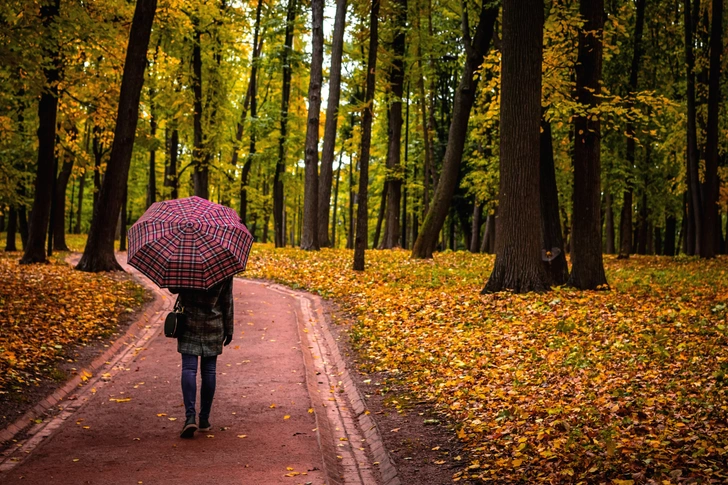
<point>175,322</point>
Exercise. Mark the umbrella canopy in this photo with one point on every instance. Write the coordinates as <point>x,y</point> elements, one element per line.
<point>189,243</point>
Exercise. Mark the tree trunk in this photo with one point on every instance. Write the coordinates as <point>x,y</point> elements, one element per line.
<point>552,242</point>
<point>643,230</point>
<point>34,251</point>
<point>59,224</point>
<point>380,216</point>
<point>336,200</point>
<point>99,252</point>
<point>253,86</point>
<point>98,151</point>
<point>362,214</point>
<point>625,223</point>
<point>464,98</point>
<point>152,183</point>
<point>200,174</point>
<point>669,243</point>
<point>475,232</point>
<point>587,269</point>
<point>171,179</point>
<point>710,238</point>
<point>488,244</point>
<point>278,195</point>
<point>12,230</point>
<point>310,236</point>
<point>79,202</point>
<point>332,110</point>
<point>394,146</point>
<point>352,197</point>
<point>609,211</point>
<point>693,176</point>
<point>518,264</point>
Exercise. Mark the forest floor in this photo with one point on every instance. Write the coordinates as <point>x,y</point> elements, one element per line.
<point>623,386</point>
<point>53,321</point>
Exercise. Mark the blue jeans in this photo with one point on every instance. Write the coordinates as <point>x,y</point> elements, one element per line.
<point>189,384</point>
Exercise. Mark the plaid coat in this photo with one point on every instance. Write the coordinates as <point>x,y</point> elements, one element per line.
<point>209,319</point>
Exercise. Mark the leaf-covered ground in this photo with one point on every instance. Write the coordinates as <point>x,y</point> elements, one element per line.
<point>622,386</point>
<point>47,308</point>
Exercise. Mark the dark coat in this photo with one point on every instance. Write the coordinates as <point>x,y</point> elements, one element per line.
<point>209,319</point>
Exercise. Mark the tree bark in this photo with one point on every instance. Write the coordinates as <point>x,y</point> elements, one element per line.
<point>362,214</point>
<point>695,205</point>
<point>406,164</point>
<point>464,98</point>
<point>380,216</point>
<point>278,195</point>
<point>253,86</point>
<point>710,238</point>
<point>79,202</point>
<point>352,196</point>
<point>587,268</point>
<point>309,239</point>
<point>336,200</point>
<point>123,219</point>
<point>59,226</point>
<point>394,146</point>
<point>552,242</point>
<point>518,264</point>
<point>152,181</point>
<point>332,115</point>
<point>200,174</point>
<point>669,242</point>
<point>99,252</point>
<point>488,244</point>
<point>171,178</point>
<point>12,230</point>
<point>34,251</point>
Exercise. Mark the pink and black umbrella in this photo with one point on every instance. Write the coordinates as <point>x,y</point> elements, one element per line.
<point>189,243</point>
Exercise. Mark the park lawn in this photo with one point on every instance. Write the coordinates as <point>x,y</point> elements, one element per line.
<point>47,309</point>
<point>622,386</point>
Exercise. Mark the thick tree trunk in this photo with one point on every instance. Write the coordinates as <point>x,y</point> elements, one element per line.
<point>200,174</point>
<point>253,86</point>
<point>464,98</point>
<point>12,230</point>
<point>309,238</point>
<point>693,176</point>
<point>99,252</point>
<point>362,214</point>
<point>669,243</point>
<point>587,269</point>
<point>152,180</point>
<point>59,226</point>
<point>123,220</point>
<point>332,110</point>
<point>394,146</point>
<point>34,251</point>
<point>552,242</point>
<point>518,265</point>
<point>710,238</point>
<point>98,151</point>
<point>278,195</point>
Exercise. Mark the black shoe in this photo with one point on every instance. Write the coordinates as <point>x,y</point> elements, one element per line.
<point>204,425</point>
<point>189,429</point>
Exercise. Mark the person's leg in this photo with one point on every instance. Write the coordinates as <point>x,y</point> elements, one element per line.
<point>189,383</point>
<point>208,366</point>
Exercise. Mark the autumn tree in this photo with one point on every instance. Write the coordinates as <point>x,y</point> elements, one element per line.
<point>99,252</point>
<point>518,265</point>
<point>475,48</point>
<point>47,112</point>
<point>587,269</point>
<point>309,239</point>
<point>362,216</point>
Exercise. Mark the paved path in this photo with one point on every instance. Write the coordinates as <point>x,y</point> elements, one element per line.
<point>271,421</point>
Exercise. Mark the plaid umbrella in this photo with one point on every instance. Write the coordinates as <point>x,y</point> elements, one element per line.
<point>189,243</point>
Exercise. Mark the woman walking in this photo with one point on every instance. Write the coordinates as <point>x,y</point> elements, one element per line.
<point>209,326</point>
